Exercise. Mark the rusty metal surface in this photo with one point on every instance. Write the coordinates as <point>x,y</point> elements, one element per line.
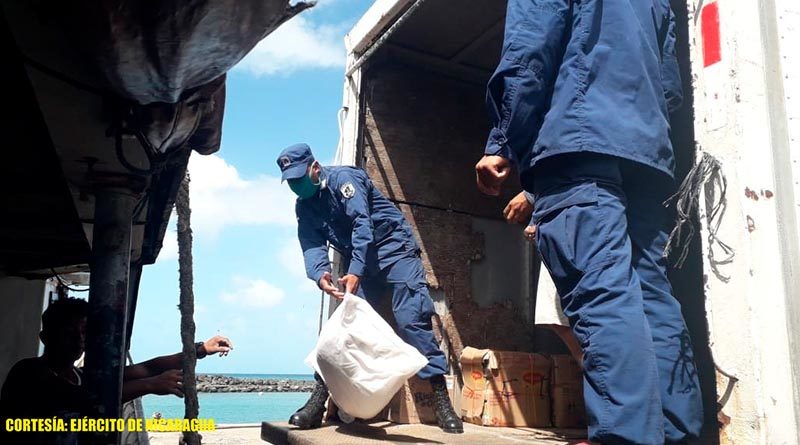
<point>108,300</point>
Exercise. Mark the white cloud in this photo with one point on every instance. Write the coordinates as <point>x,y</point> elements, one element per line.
<point>169,246</point>
<point>298,44</point>
<point>322,4</point>
<point>253,293</point>
<point>235,327</point>
<point>291,257</point>
<point>221,198</point>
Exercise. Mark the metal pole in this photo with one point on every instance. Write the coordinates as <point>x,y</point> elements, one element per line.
<point>383,38</point>
<point>108,302</point>
<point>134,278</point>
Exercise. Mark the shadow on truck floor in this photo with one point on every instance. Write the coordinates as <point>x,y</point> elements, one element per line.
<point>280,433</point>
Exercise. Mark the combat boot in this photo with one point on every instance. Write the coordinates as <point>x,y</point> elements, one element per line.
<point>310,415</point>
<point>446,416</point>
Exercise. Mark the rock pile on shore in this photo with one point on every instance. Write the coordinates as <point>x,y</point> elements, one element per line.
<point>221,383</point>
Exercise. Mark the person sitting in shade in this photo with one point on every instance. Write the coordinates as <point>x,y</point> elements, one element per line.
<point>51,385</point>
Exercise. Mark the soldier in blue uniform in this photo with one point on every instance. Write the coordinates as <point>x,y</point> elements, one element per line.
<point>340,206</point>
<point>579,104</point>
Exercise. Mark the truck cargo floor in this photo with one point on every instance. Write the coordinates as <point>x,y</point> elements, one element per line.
<point>280,433</point>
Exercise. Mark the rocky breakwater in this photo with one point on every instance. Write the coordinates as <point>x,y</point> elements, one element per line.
<point>221,383</point>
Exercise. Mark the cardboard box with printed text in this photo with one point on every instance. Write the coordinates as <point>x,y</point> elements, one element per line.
<point>569,410</point>
<point>413,403</point>
<point>505,388</point>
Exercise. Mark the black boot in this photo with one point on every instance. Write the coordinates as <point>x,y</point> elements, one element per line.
<point>445,415</point>
<point>310,415</point>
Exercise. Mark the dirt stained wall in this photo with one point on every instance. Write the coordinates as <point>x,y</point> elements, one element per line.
<point>422,135</point>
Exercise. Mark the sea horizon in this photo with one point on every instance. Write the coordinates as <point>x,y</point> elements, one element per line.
<point>230,408</point>
<point>257,375</point>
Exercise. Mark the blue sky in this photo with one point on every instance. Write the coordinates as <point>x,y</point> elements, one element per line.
<point>249,282</point>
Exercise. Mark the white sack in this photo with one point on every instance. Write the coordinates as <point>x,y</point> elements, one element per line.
<point>361,359</point>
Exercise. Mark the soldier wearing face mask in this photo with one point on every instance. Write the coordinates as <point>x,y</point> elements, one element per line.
<point>341,206</point>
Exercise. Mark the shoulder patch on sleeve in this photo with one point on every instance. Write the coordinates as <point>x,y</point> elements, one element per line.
<point>348,190</point>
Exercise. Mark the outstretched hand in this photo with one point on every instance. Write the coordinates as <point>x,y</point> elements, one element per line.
<point>326,284</point>
<point>218,343</point>
<point>168,382</point>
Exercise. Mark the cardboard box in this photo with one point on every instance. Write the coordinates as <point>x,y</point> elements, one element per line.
<point>413,403</point>
<point>505,388</point>
<point>569,410</point>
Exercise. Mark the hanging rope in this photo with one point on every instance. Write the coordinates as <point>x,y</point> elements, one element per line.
<point>705,177</point>
<point>186,307</point>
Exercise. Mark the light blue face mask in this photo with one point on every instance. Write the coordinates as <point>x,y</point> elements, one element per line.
<point>303,186</point>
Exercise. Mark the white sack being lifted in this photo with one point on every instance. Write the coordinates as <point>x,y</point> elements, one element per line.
<point>361,359</point>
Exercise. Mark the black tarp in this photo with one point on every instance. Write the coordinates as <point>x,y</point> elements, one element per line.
<point>162,63</point>
<point>154,51</point>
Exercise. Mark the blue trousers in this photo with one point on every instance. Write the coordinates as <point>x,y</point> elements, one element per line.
<point>412,307</point>
<point>601,233</point>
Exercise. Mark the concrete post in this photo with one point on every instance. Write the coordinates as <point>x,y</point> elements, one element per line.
<point>108,301</point>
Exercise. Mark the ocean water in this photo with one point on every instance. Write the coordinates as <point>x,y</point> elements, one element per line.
<point>270,376</point>
<point>235,407</point>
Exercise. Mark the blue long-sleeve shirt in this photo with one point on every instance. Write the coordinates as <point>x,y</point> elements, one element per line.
<point>356,219</point>
<point>585,76</point>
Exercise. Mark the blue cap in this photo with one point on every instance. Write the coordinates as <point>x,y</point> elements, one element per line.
<point>294,161</point>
